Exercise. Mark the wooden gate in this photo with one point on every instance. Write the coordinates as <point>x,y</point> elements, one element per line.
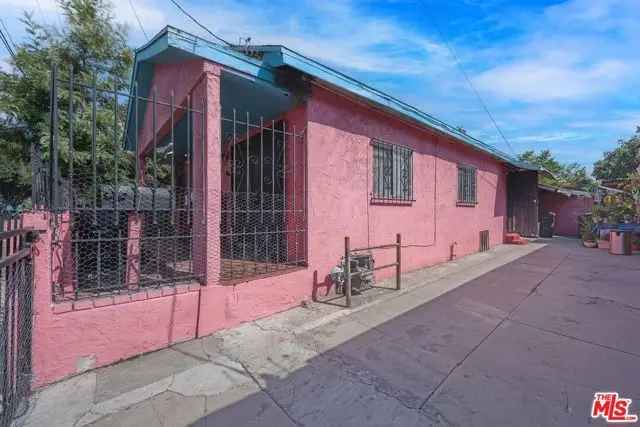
<point>522,203</point>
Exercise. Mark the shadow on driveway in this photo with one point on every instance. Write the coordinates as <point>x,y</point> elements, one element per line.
<point>526,344</point>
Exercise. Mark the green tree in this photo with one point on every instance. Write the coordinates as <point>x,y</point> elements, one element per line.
<point>571,175</point>
<point>95,47</point>
<point>621,162</point>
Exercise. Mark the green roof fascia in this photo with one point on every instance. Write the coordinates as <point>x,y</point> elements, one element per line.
<point>220,54</point>
<point>277,56</point>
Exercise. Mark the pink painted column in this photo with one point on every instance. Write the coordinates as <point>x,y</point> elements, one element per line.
<point>207,179</point>
<point>42,290</point>
<point>134,232</point>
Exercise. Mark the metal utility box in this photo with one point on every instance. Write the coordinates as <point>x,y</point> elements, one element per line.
<point>362,265</point>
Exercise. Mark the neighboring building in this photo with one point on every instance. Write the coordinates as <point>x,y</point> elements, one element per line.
<point>274,159</point>
<point>567,205</point>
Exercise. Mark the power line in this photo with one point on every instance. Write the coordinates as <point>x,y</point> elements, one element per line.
<point>5,41</point>
<point>473,88</point>
<point>8,34</point>
<point>7,45</point>
<point>135,13</point>
<point>199,24</point>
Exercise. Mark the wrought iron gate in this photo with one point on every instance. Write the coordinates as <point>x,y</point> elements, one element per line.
<point>16,285</point>
<point>263,224</point>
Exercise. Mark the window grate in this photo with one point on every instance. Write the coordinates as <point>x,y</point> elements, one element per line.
<point>467,188</point>
<point>392,172</point>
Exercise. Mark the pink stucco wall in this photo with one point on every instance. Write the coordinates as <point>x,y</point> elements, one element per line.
<point>70,337</point>
<point>339,182</point>
<point>340,185</point>
<point>567,210</point>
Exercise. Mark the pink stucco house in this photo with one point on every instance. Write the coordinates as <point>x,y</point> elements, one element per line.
<point>270,160</point>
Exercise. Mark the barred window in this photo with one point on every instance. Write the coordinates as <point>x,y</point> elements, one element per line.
<point>467,187</point>
<point>392,172</point>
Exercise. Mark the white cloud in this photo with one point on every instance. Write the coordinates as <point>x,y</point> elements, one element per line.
<point>622,121</point>
<point>551,137</point>
<point>31,5</point>
<point>151,16</point>
<point>550,76</point>
<point>596,15</point>
<point>572,51</point>
<point>542,80</point>
<point>337,33</point>
<point>48,11</point>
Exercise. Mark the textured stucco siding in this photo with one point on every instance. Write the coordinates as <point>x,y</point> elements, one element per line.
<point>341,179</point>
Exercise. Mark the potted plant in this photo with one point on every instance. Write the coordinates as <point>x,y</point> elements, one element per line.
<point>586,231</point>
<point>635,243</point>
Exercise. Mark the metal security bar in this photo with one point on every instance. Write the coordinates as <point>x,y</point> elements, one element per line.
<point>263,228</point>
<point>484,240</point>
<point>16,286</point>
<point>120,183</point>
<point>392,172</point>
<point>467,185</point>
<point>39,179</point>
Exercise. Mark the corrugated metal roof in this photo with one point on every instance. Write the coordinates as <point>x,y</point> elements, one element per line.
<point>569,192</point>
<point>170,41</point>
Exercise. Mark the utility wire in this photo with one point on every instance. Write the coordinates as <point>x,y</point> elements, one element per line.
<point>135,13</point>
<point>7,45</point>
<point>182,9</point>
<point>8,34</point>
<point>473,88</point>
<point>5,41</point>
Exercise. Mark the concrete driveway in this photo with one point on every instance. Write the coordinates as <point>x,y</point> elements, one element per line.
<point>525,344</point>
<point>518,335</point>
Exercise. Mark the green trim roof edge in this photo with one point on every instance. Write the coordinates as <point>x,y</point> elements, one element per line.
<point>275,56</point>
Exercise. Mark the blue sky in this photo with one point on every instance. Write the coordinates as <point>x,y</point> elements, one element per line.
<point>558,75</point>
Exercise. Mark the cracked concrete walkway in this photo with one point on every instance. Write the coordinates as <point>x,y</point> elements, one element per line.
<point>525,339</point>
